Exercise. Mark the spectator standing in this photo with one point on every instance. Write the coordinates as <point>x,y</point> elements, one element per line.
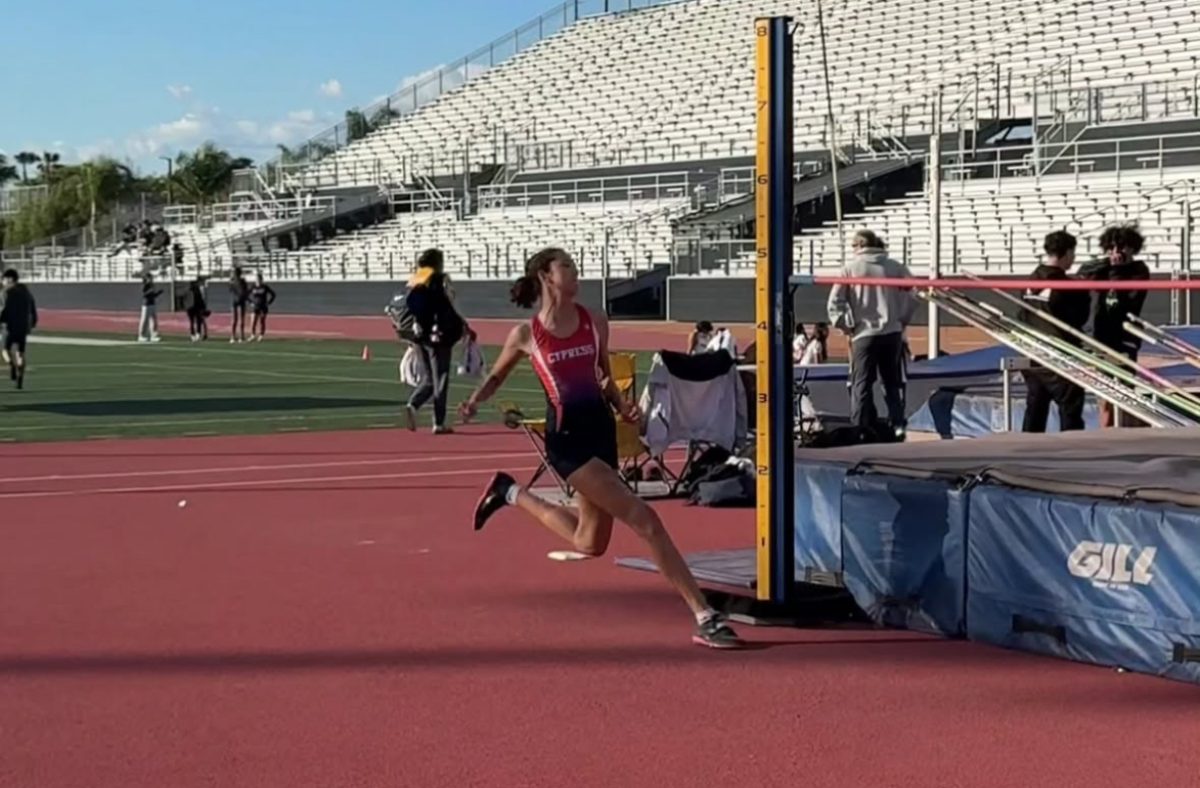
<point>1121,245</point>
<point>196,305</point>
<point>1071,307</point>
<point>239,295</point>
<point>148,324</point>
<point>261,298</point>
<point>875,318</point>
<point>18,318</point>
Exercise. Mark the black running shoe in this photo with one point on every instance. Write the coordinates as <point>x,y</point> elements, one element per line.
<point>494,498</point>
<point>21,378</point>
<point>715,633</point>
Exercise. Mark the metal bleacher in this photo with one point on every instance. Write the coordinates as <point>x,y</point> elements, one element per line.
<point>555,143</point>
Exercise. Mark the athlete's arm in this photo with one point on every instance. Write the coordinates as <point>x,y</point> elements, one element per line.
<point>515,346</point>
<point>628,409</point>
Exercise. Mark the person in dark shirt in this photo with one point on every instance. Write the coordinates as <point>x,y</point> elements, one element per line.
<point>439,327</point>
<point>1071,307</point>
<point>196,306</point>
<point>261,298</point>
<point>239,295</point>
<point>148,324</point>
<point>1121,245</point>
<point>18,318</point>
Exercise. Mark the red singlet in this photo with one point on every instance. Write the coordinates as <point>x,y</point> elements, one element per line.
<point>569,368</point>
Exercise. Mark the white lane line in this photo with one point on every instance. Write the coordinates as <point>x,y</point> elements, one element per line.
<point>308,376</point>
<point>297,466</point>
<point>74,425</point>
<point>254,483</point>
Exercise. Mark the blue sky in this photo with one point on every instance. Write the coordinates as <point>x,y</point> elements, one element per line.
<point>139,79</point>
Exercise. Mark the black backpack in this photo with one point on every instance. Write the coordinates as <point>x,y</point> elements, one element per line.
<point>404,318</point>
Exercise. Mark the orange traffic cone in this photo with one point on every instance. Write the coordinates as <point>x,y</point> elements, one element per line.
<point>366,354</point>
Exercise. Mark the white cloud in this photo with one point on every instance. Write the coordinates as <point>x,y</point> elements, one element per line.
<point>180,91</point>
<point>105,147</point>
<point>188,130</point>
<point>332,88</point>
<point>254,137</point>
<point>298,125</point>
<point>418,78</point>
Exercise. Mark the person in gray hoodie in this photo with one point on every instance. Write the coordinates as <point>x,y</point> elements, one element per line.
<point>874,317</point>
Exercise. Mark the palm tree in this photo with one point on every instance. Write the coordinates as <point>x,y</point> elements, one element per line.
<point>25,158</point>
<point>7,171</point>
<point>207,173</point>
<point>49,164</point>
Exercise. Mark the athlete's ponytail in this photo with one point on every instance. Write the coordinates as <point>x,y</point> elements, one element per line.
<point>525,291</point>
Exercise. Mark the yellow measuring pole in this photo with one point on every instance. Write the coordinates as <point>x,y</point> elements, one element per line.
<point>762,304</point>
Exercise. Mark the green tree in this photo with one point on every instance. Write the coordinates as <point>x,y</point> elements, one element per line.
<point>357,125</point>
<point>76,197</point>
<point>7,171</point>
<point>309,151</point>
<point>383,116</point>
<point>48,165</point>
<point>25,158</point>
<point>205,175</point>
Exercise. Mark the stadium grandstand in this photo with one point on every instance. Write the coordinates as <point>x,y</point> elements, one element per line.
<point>624,131</point>
<point>850,340</point>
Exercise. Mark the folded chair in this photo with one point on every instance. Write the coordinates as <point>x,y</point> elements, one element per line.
<point>631,450</point>
<point>697,400</point>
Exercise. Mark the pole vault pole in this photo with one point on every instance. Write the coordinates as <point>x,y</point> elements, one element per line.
<point>775,534</point>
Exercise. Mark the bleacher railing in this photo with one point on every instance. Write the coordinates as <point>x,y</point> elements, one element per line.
<point>623,191</point>
<point>425,88</point>
<point>248,211</point>
<point>13,198</point>
<point>1119,156</point>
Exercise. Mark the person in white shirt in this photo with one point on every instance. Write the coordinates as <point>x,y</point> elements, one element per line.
<point>808,351</point>
<point>699,337</point>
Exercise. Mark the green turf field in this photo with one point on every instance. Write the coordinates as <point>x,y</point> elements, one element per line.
<point>177,388</point>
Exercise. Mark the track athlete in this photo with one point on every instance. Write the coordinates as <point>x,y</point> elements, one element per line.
<point>568,347</point>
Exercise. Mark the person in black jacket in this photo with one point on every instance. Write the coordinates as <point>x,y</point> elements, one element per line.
<point>196,306</point>
<point>18,318</point>
<point>439,327</point>
<point>1071,307</point>
<point>1121,244</point>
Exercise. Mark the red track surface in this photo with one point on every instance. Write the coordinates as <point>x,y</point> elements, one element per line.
<point>631,335</point>
<point>321,614</point>
<point>625,336</point>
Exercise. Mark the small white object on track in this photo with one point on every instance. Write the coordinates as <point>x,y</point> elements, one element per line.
<point>183,503</point>
<point>568,555</point>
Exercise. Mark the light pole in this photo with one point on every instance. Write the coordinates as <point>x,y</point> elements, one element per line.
<point>170,171</point>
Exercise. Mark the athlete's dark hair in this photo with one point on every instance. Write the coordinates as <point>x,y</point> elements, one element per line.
<point>1059,243</point>
<point>11,273</point>
<point>431,258</point>
<point>705,326</point>
<point>525,291</point>
<point>1122,237</point>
